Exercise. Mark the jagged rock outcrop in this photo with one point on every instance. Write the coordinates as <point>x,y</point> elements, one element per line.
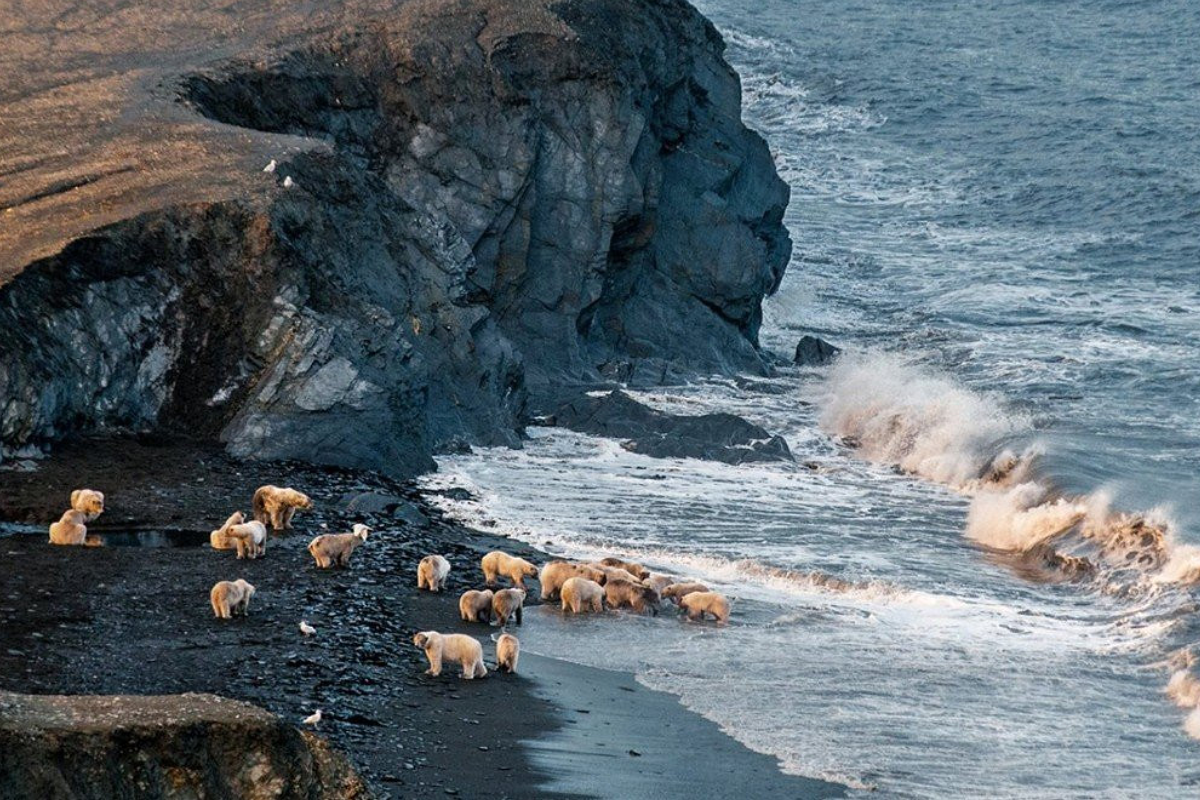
<point>473,200</point>
<point>55,747</point>
<point>713,437</point>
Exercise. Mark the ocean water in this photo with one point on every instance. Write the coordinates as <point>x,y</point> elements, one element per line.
<point>979,578</point>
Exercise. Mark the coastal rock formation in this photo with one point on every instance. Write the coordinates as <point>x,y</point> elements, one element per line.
<point>189,745</point>
<point>812,351</point>
<point>715,437</point>
<point>473,200</point>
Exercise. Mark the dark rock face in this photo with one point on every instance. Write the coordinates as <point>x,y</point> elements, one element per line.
<point>191,745</point>
<point>715,437</point>
<point>814,352</point>
<point>491,198</point>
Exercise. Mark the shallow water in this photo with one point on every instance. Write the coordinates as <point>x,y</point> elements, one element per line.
<point>994,207</point>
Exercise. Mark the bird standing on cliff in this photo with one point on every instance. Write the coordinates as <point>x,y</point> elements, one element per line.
<point>306,629</point>
<point>270,167</point>
<point>313,719</point>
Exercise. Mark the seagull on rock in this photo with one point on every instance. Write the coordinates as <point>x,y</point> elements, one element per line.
<point>313,719</point>
<point>270,167</point>
<point>288,182</point>
<point>306,629</point>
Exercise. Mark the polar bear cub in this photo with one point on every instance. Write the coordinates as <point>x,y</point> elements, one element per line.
<point>231,598</point>
<point>697,604</point>
<point>277,506</point>
<point>70,528</point>
<point>452,647</point>
<point>508,652</point>
<point>497,563</point>
<point>250,538</point>
<point>329,549</point>
<point>89,501</point>
<point>475,606</point>
<point>580,595</point>
<point>557,573</point>
<point>432,572</point>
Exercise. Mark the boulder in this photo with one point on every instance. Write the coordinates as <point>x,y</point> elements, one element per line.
<point>812,351</point>
<point>122,747</point>
<point>715,437</point>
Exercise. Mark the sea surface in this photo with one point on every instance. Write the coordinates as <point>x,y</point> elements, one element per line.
<point>978,578</point>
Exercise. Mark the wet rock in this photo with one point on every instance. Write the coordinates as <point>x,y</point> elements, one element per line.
<point>812,351</point>
<point>491,198</point>
<point>715,437</point>
<point>189,745</point>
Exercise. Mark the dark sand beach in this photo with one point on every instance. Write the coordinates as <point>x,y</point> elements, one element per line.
<point>135,620</point>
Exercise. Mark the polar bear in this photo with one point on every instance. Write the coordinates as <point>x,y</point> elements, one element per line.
<point>231,598</point>
<point>218,540</point>
<point>508,651</point>
<point>498,563</point>
<point>658,582</point>
<point>580,595</point>
<point>336,548</point>
<point>640,598</point>
<point>556,573</point>
<point>277,506</point>
<point>250,538</point>
<point>676,591</point>
<point>70,528</point>
<point>452,647</point>
<point>475,606</point>
<point>614,573</point>
<point>697,604</point>
<point>432,572</point>
<point>507,603</point>
<point>89,501</point>
<point>632,567</point>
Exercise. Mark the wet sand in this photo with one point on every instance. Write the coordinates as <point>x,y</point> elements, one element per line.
<point>107,620</point>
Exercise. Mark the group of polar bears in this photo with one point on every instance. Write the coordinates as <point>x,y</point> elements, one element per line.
<point>581,587</point>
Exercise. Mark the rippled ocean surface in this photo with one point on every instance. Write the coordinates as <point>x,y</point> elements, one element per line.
<point>979,578</point>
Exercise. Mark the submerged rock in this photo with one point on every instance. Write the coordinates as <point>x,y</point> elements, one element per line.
<point>188,745</point>
<point>812,351</point>
<point>488,198</point>
<point>714,437</point>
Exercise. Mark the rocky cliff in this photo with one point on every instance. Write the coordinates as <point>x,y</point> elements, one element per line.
<point>473,202</point>
<point>183,746</point>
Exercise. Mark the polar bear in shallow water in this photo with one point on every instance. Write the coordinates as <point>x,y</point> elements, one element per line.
<point>432,572</point>
<point>632,567</point>
<point>697,604</point>
<point>557,573</point>
<point>452,647</point>
<point>580,595</point>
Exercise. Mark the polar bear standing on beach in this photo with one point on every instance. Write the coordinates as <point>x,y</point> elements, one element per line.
<point>497,563</point>
<point>329,549</point>
<point>277,506</point>
<point>697,604</point>
<point>632,567</point>
<point>452,647</point>
<point>432,572</point>
<point>70,528</point>
<point>508,651</point>
<point>231,598</point>
<point>475,606</point>
<point>580,595</point>
<point>555,574</point>
<point>507,603</point>
<point>89,501</point>
<point>250,538</point>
